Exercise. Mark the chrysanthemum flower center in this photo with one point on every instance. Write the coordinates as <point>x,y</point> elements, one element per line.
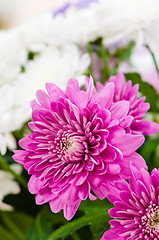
<point>68,145</point>
<point>150,222</point>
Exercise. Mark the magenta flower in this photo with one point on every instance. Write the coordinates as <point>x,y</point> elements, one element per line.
<point>136,209</point>
<point>137,106</point>
<point>77,145</point>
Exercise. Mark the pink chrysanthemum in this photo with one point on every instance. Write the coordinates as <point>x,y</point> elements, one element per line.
<point>77,144</point>
<point>136,209</point>
<point>137,106</point>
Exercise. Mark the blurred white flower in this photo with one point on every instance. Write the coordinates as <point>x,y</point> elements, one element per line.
<point>55,65</point>
<point>7,140</point>
<point>142,62</point>
<point>8,186</point>
<point>136,19</point>
<point>78,27</point>
<point>11,109</point>
<point>13,54</point>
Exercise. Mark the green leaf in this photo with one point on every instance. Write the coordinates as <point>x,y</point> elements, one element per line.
<point>146,89</point>
<point>15,224</point>
<point>5,234</point>
<point>96,217</point>
<point>40,228</point>
<point>32,55</point>
<point>99,226</point>
<point>149,151</point>
<point>124,53</point>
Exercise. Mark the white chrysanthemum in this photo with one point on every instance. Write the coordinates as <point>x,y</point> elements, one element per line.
<point>13,54</point>
<point>109,19</point>
<point>120,18</point>
<point>137,19</point>
<point>8,186</point>
<point>142,62</point>
<point>80,27</point>
<point>55,65</point>
<point>7,140</point>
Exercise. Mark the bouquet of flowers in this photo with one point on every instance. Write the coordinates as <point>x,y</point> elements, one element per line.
<point>80,112</point>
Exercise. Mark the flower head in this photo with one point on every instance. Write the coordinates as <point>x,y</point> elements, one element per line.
<point>137,106</point>
<point>77,145</point>
<point>136,209</point>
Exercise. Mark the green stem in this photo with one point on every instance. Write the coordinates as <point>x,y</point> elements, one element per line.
<point>104,55</point>
<point>5,166</point>
<point>154,59</point>
<point>71,227</point>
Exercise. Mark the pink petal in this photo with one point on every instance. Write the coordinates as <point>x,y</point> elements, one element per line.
<point>99,86</point>
<point>84,191</point>
<point>126,121</point>
<point>35,184</point>
<point>119,110</point>
<point>119,81</point>
<point>42,98</point>
<point>135,159</point>
<point>19,156</point>
<point>80,98</point>
<point>90,87</point>
<point>73,83</point>
<point>54,91</point>
<point>70,210</point>
<point>92,197</point>
<point>114,168</point>
<point>102,191</point>
<point>27,143</point>
<point>69,195</point>
<point>105,97</point>
<point>112,234</point>
<point>146,127</point>
<point>56,205</point>
<point>128,143</point>
<point>81,178</point>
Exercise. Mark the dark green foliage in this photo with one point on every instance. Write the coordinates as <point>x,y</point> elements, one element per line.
<point>14,225</point>
<point>95,215</point>
<point>146,89</point>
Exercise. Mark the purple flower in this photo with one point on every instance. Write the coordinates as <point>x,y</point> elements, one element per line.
<point>79,4</point>
<point>77,144</point>
<point>85,3</point>
<point>137,106</point>
<point>63,9</point>
<point>136,209</point>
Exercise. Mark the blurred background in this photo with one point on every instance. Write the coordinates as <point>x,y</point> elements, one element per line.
<point>15,12</point>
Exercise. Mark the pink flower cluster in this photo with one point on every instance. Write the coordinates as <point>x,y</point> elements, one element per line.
<point>136,209</point>
<point>137,106</point>
<point>82,141</point>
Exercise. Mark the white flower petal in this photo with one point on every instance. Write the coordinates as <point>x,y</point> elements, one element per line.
<point>3,145</point>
